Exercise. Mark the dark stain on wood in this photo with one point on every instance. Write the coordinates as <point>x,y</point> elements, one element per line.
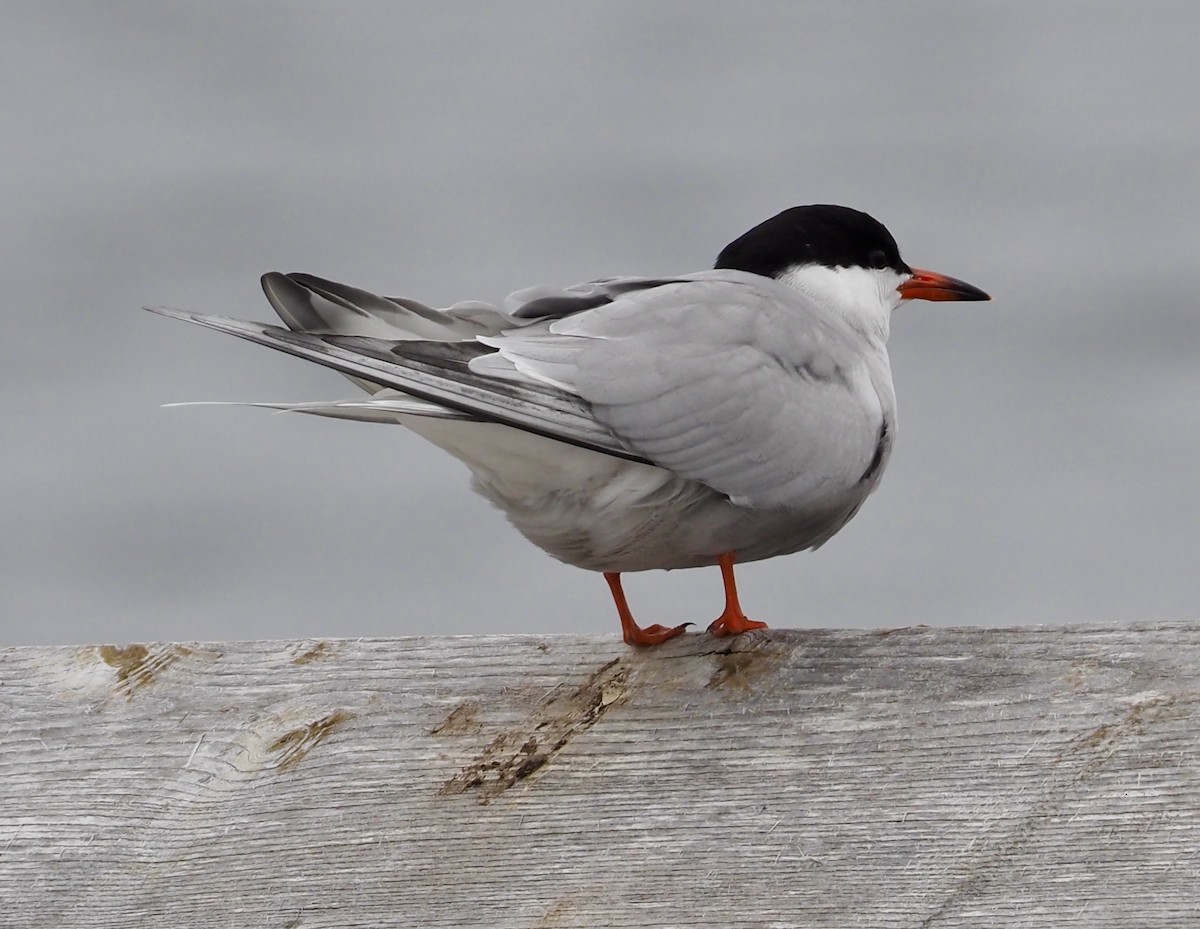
<point>293,747</point>
<point>556,915</point>
<point>742,668</point>
<point>316,653</point>
<point>1107,737</point>
<point>137,666</point>
<point>462,720</point>
<point>518,754</point>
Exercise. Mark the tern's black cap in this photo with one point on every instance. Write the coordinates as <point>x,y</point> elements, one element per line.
<point>836,236</point>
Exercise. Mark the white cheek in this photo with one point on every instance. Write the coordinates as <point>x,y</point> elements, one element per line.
<point>864,297</point>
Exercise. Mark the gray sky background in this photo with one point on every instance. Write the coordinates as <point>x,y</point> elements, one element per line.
<point>1046,467</point>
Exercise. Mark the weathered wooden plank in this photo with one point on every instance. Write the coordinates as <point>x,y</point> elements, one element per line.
<point>915,777</point>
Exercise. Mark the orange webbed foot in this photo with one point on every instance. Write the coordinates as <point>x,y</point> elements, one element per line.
<point>651,635</point>
<point>630,630</point>
<point>733,624</point>
<point>733,621</point>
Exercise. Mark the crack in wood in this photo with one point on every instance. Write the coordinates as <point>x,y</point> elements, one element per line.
<point>740,669</point>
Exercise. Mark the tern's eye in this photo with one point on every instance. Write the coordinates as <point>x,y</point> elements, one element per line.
<point>878,259</point>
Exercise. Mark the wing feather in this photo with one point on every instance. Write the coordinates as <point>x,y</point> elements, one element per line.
<point>437,372</point>
<point>731,380</point>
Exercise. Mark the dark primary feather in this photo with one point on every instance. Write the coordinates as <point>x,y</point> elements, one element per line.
<point>437,372</point>
<point>312,304</point>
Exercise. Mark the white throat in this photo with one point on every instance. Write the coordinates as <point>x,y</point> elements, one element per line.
<point>863,297</point>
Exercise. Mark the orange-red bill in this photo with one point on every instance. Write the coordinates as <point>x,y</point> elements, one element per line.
<point>929,285</point>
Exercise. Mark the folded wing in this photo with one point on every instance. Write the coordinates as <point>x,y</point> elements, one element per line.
<point>437,373</point>
<point>729,379</point>
<point>724,378</point>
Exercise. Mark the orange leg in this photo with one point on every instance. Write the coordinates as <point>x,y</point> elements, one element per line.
<point>733,620</point>
<point>633,633</point>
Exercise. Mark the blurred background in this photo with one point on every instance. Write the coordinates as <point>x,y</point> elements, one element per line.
<point>1046,467</point>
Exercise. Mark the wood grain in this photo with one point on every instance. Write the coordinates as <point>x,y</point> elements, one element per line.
<point>905,778</point>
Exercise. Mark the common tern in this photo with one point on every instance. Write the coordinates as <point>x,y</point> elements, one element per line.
<point>633,423</point>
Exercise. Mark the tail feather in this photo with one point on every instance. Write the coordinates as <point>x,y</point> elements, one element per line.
<point>415,361</point>
<point>438,373</point>
<point>384,408</point>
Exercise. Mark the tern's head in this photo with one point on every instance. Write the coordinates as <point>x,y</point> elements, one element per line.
<point>846,261</point>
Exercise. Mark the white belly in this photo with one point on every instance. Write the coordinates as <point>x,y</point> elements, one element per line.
<point>602,513</point>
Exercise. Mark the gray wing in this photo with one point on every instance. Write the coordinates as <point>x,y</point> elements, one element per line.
<point>729,379</point>
<point>542,301</point>
<point>413,359</point>
<point>437,372</point>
